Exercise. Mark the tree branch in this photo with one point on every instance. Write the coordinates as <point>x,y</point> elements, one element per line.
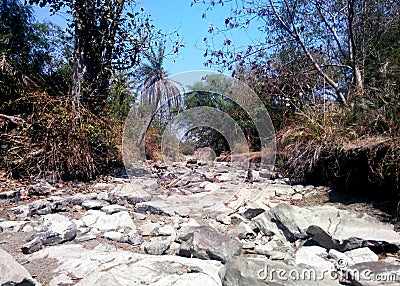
<point>13,119</point>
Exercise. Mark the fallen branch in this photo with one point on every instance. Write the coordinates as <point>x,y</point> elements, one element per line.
<point>13,119</point>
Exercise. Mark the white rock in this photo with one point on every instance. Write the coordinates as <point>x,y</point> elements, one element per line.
<point>314,256</point>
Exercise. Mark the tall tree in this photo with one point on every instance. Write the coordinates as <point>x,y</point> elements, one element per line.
<point>157,90</point>
<point>332,35</point>
<point>108,35</point>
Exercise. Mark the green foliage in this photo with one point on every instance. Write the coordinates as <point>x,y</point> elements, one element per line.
<point>206,93</point>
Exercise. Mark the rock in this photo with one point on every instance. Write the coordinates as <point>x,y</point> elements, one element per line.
<point>100,222</point>
<point>138,216</point>
<point>224,219</point>
<point>35,244</point>
<point>147,228</point>
<point>103,196</point>
<point>297,197</point>
<point>330,227</point>
<point>40,189</point>
<point>314,256</point>
<point>263,249</point>
<point>54,229</point>
<point>376,273</point>
<point>360,255</point>
<point>211,187</point>
<point>282,221</point>
<point>132,193</point>
<point>57,229</point>
<point>241,271</point>
<point>78,199</point>
<point>243,231</point>
<point>94,204</point>
<point>165,230</point>
<point>13,273</point>
<point>278,255</point>
<point>134,237</point>
<point>112,209</point>
<point>106,265</point>
<point>251,211</point>
<point>115,236</point>
<point>223,178</point>
<point>103,186</point>
<point>205,243</point>
<point>281,190</point>
<point>84,238</point>
<point>157,248</point>
<point>10,197</point>
<point>61,280</point>
<point>12,226</point>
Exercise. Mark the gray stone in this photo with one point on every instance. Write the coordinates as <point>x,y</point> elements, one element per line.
<point>281,190</point>
<point>211,187</point>
<point>84,238</point>
<point>106,264</point>
<point>132,193</point>
<point>360,255</point>
<point>205,243</point>
<point>94,204</point>
<point>100,222</point>
<point>297,197</point>
<point>263,249</point>
<point>330,227</point>
<point>282,220</point>
<point>278,255</point>
<point>12,226</point>
<point>223,218</point>
<point>40,189</point>
<point>243,231</point>
<point>61,280</point>
<point>165,230</point>
<point>115,236</point>
<point>112,209</point>
<point>314,256</point>
<point>103,186</point>
<point>157,247</point>
<point>78,199</point>
<point>147,228</point>
<point>241,271</point>
<point>134,237</point>
<point>103,196</point>
<point>13,273</point>
<point>57,229</point>
<point>138,216</point>
<point>35,244</point>
<point>251,211</point>
<point>10,197</point>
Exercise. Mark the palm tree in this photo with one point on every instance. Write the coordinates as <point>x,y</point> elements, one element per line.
<point>156,88</point>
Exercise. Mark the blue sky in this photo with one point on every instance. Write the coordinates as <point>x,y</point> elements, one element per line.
<point>171,15</point>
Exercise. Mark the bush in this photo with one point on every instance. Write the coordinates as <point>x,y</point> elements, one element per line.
<point>55,142</point>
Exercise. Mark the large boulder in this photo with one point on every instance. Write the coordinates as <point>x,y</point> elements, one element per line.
<point>241,271</point>
<point>107,265</point>
<point>55,229</point>
<point>206,243</point>
<point>13,273</point>
<point>330,227</point>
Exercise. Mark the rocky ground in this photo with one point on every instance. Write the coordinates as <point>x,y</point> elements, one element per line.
<point>191,224</point>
